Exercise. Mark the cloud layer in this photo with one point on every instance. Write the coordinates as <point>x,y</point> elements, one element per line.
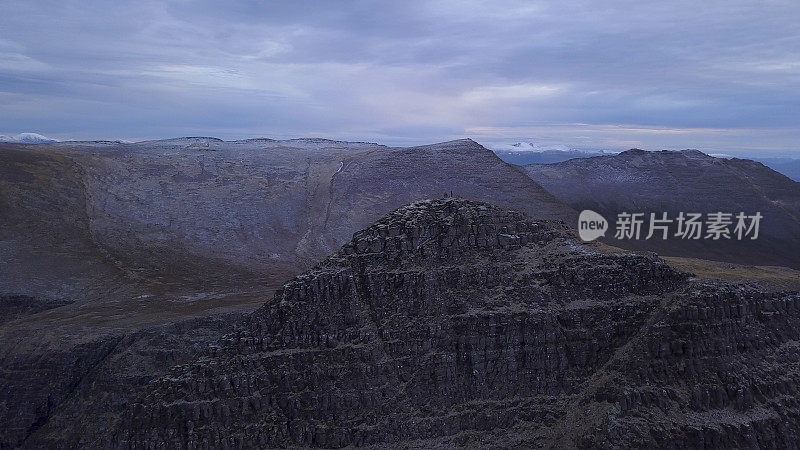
<point>710,75</point>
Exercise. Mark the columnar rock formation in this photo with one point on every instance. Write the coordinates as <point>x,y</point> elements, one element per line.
<point>451,322</point>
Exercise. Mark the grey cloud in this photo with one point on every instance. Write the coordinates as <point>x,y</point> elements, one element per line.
<point>405,72</point>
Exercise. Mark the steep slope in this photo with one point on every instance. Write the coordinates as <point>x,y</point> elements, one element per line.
<point>691,182</point>
<point>379,181</point>
<point>281,207</point>
<point>451,323</point>
<point>205,209</point>
<point>46,247</point>
<point>61,384</point>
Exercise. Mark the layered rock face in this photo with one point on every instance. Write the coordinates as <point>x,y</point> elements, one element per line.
<point>66,394</point>
<point>451,323</point>
<point>715,367</point>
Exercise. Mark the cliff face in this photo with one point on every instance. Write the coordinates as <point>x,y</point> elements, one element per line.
<point>65,388</point>
<point>446,323</point>
<point>451,322</point>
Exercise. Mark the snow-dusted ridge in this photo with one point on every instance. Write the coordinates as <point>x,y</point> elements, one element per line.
<point>527,147</point>
<point>27,138</point>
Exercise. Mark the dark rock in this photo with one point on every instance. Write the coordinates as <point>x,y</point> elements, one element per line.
<point>16,306</point>
<point>432,324</point>
<point>447,323</point>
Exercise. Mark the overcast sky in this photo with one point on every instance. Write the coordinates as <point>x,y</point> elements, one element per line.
<point>713,75</point>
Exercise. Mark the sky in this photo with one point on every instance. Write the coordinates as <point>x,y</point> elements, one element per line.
<point>719,76</point>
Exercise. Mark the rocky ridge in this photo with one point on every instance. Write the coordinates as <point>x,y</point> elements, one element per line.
<point>451,323</point>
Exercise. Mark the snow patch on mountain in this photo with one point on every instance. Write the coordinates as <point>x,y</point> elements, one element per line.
<point>528,147</point>
<point>27,138</point>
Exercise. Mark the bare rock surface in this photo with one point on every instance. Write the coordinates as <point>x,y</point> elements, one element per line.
<point>66,396</point>
<point>456,323</point>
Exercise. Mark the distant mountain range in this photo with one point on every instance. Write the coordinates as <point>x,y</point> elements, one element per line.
<point>524,153</point>
<point>686,181</point>
<point>203,207</point>
<point>787,166</point>
<point>27,138</point>
<point>523,158</point>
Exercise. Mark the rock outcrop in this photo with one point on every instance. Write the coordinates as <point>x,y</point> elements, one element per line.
<point>67,393</point>
<point>451,323</point>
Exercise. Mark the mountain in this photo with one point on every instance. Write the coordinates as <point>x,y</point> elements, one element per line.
<point>120,260</point>
<point>523,158</point>
<point>203,209</point>
<point>451,323</point>
<point>144,302</point>
<point>524,153</point>
<point>787,166</point>
<point>27,138</point>
<point>685,181</point>
<point>529,146</point>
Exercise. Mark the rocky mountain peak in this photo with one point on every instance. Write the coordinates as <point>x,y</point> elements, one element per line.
<point>440,312</point>
<point>450,227</point>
